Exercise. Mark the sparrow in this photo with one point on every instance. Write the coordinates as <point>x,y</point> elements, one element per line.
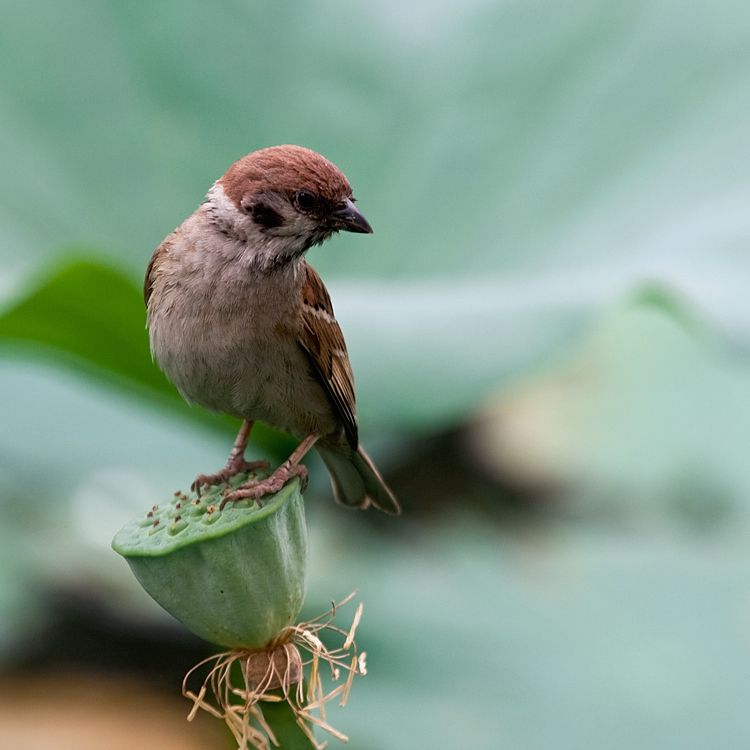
<point>242,324</point>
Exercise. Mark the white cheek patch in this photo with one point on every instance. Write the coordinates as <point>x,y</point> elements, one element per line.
<point>296,225</point>
<point>223,208</point>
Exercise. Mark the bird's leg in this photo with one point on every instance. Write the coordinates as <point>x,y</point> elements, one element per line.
<point>290,468</point>
<point>235,464</point>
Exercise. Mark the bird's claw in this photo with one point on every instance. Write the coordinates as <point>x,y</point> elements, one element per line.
<point>268,486</point>
<point>232,468</point>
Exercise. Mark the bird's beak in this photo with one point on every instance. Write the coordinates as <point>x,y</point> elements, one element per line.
<point>350,219</point>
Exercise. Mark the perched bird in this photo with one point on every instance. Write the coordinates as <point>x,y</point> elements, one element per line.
<point>241,324</point>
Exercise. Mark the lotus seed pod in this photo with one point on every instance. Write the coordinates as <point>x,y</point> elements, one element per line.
<point>234,576</point>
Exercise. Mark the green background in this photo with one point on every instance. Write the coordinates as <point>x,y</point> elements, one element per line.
<point>559,269</point>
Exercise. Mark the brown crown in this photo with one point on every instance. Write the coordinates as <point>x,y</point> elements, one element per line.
<point>285,169</point>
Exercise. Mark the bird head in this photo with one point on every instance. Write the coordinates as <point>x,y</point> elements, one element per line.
<point>281,201</point>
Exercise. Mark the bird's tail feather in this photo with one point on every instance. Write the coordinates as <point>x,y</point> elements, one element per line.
<point>356,482</point>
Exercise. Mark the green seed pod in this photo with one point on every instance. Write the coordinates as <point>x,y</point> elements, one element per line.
<point>234,576</point>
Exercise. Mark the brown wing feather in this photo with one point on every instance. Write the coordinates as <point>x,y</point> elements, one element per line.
<point>323,341</point>
<point>148,282</point>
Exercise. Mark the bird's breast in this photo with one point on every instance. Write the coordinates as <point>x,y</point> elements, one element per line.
<point>229,342</point>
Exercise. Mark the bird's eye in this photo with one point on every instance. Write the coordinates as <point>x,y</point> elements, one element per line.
<point>305,200</point>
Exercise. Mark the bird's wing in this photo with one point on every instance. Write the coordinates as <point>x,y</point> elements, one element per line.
<point>153,265</point>
<point>323,341</point>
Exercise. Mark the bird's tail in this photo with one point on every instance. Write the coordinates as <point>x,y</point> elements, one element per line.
<point>356,482</point>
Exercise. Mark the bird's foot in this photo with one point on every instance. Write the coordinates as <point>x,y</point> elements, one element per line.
<point>268,486</point>
<point>234,466</point>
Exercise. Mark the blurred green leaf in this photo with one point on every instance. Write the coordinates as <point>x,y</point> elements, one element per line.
<point>556,636</point>
<point>645,416</point>
<point>93,313</point>
<point>674,305</point>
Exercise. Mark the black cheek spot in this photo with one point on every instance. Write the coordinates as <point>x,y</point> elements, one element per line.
<point>265,216</point>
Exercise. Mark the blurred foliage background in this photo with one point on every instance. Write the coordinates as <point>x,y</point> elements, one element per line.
<point>549,331</point>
